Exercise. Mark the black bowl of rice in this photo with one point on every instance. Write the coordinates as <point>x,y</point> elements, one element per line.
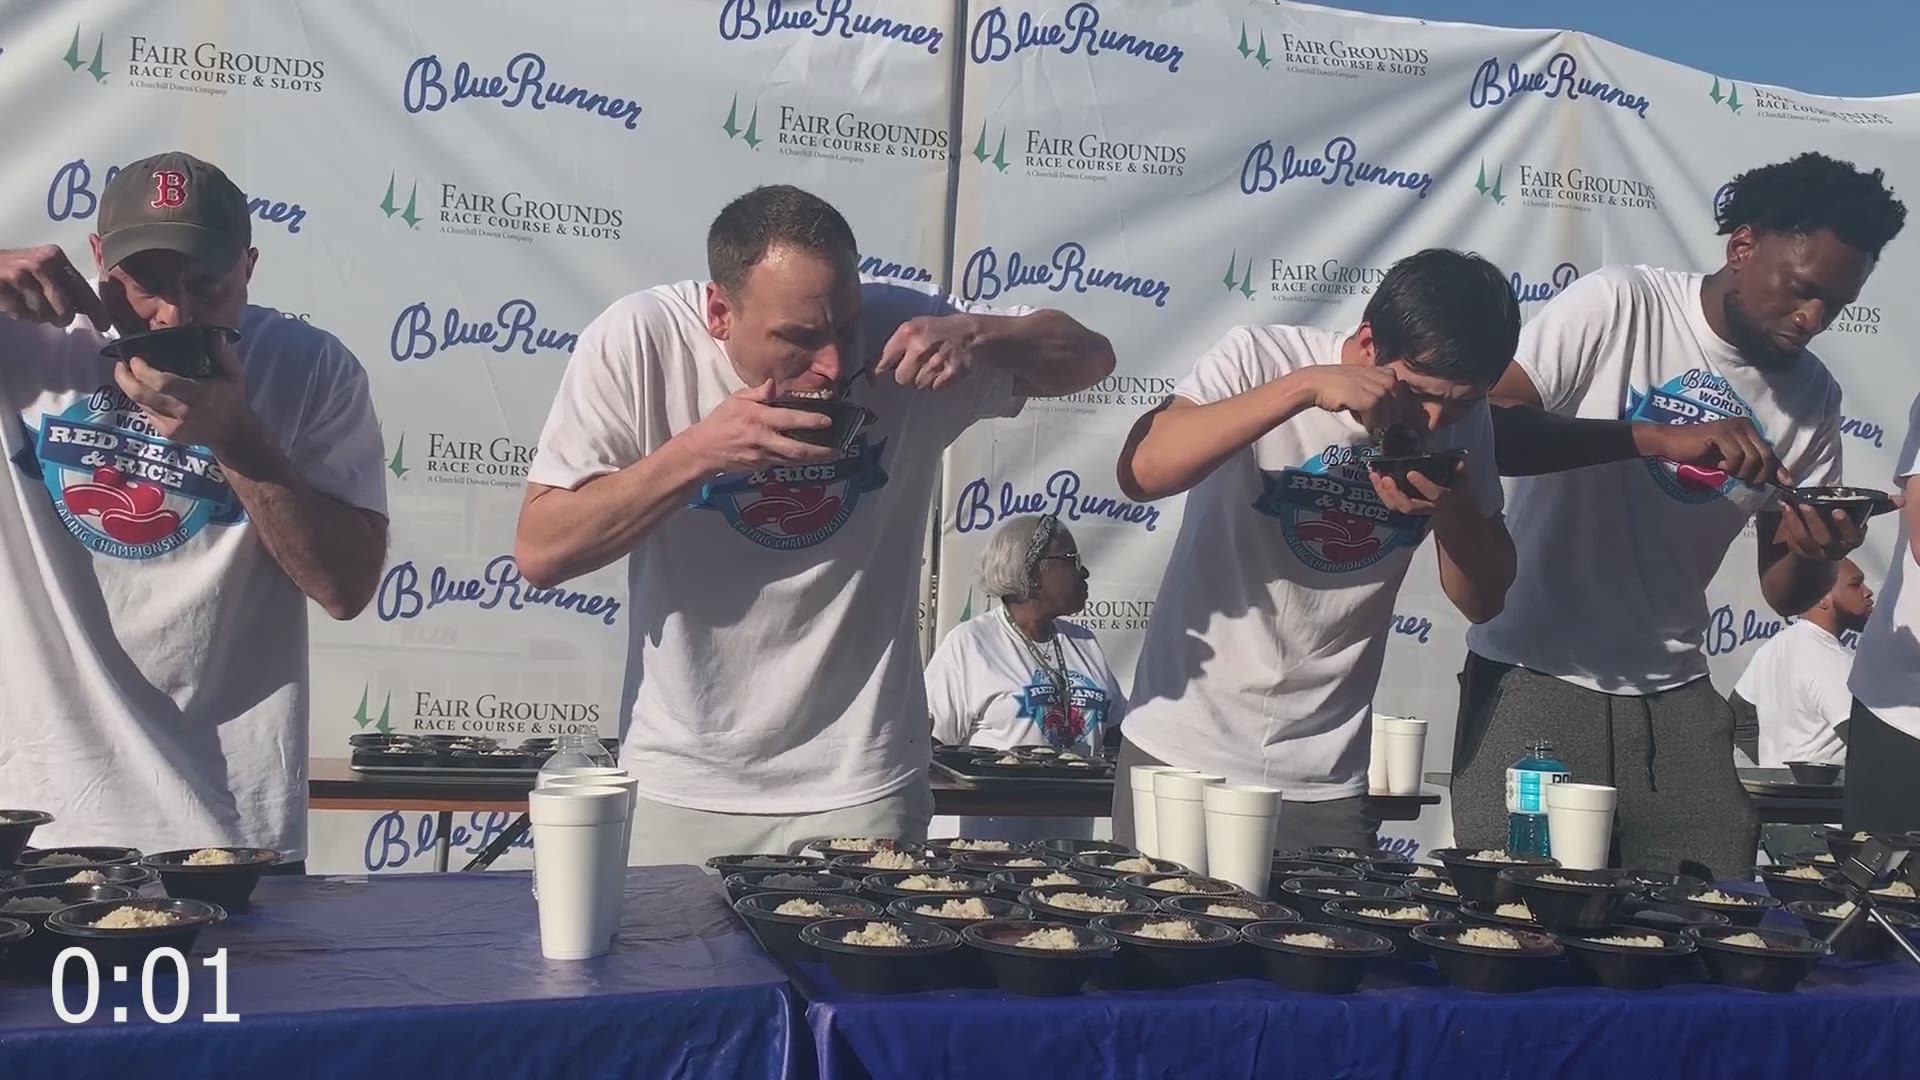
<point>1342,856</point>
<point>1072,846</point>
<point>726,865</point>
<point>1842,842</point>
<point>1310,894</point>
<point>956,912</point>
<point>1742,909</point>
<point>121,933</point>
<point>884,956</point>
<point>1647,881</point>
<point>886,887</point>
<point>748,882</point>
<point>1442,892</point>
<point>1400,872</point>
<point>1165,950</point>
<point>1164,885</point>
<point>137,878</point>
<point>1757,959</point>
<point>1040,958</point>
<point>1570,901</point>
<point>1789,884</point>
<point>831,848</point>
<point>992,862</point>
<point>13,936</point>
<point>777,918</point>
<point>77,856</point>
<point>1674,918</point>
<point>958,847</point>
<point>1630,958</point>
<point>1863,940</point>
<point>1490,959</point>
<point>1897,894</point>
<point>1072,904</point>
<point>865,863</point>
<point>1318,958</point>
<point>1010,884</point>
<point>1391,919</point>
<point>222,876</point>
<point>1118,864</point>
<point>35,904</point>
<point>1281,871</point>
<point>1476,872</point>
<point>16,829</point>
<point>1513,914</point>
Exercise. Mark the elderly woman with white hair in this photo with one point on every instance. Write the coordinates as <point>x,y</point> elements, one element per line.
<point>1022,674</point>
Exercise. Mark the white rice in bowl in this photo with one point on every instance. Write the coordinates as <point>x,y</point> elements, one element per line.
<point>87,877</point>
<point>1746,941</point>
<point>1636,941</point>
<point>1052,937</point>
<point>1008,759</point>
<point>1417,913</point>
<point>1134,866</point>
<point>970,908</point>
<point>1078,901</point>
<point>1492,856</point>
<point>879,935</point>
<point>1446,888</point>
<point>892,860</point>
<point>1309,941</point>
<point>1899,890</point>
<point>1024,864</point>
<point>849,843</point>
<point>1807,873</point>
<point>1171,930</point>
<point>931,883</point>
<point>1176,884</point>
<point>812,909</point>
<point>1516,910</point>
<point>1556,879</point>
<point>1424,872</point>
<point>1483,937</point>
<point>1715,896</point>
<point>980,845</point>
<point>135,918</point>
<point>1231,911</point>
<point>62,860</point>
<point>1838,911</point>
<point>211,857</point>
<point>1055,878</point>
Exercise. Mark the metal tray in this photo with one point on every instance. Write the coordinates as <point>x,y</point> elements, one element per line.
<point>450,774</point>
<point>1779,783</point>
<point>983,780</point>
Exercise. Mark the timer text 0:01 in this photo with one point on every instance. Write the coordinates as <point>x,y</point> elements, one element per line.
<point>218,962</point>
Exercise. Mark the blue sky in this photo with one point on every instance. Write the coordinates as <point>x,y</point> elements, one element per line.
<point>1852,48</point>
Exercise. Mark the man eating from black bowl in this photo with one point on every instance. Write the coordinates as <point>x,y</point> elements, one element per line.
<point>160,534</point>
<point>774,686</point>
<point>1263,651</point>
<point>1664,404</point>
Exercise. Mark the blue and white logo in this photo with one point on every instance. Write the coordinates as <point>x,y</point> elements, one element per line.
<point>1331,517</point>
<point>1697,397</point>
<point>793,507</point>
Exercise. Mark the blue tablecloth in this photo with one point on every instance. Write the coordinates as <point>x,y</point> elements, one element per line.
<point>1846,1020</point>
<point>439,975</point>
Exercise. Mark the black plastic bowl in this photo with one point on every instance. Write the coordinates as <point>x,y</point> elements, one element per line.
<point>727,865</point>
<point>1072,846</point>
<point>1646,881</point>
<point>780,934</point>
<point>73,926</point>
<point>855,866</point>
<point>1590,905</point>
<point>1629,967</point>
<point>1318,971</point>
<point>1480,881</point>
<point>1342,856</point>
<point>36,953</point>
<point>1280,871</point>
<point>17,830</point>
<point>1195,907</point>
<point>1740,915</point>
<point>907,907</point>
<point>1102,863</point>
<point>992,862</point>
<point>228,887</point>
<point>492,759</point>
<point>1202,886</point>
<point>884,888</point>
<point>1039,902</point>
<point>1787,959</point>
<point>1491,971</point>
<point>1429,891</point>
<point>1671,918</point>
<point>1840,842</point>
<point>847,418</point>
<point>1437,466</point>
<point>866,969</point>
<point>396,757</point>
<point>1479,914</point>
<point>88,856</point>
<point>1398,871</point>
<point>748,882</point>
<point>1857,503</point>
<point>450,743</point>
<point>1146,962</point>
<point>1039,972</point>
<point>1836,888</point>
<point>1009,884</point>
<point>186,351</point>
<point>1310,895</point>
<point>825,849</point>
<point>14,934</point>
<point>1813,772</point>
<point>129,877</point>
<point>1863,940</point>
<point>1788,890</point>
<point>1398,931</point>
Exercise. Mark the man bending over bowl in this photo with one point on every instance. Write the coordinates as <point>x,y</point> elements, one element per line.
<point>160,534</point>
<point>1261,657</point>
<point>1644,413</point>
<point>773,680</point>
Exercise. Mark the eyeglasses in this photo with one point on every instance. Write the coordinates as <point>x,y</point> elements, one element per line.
<point>1073,558</point>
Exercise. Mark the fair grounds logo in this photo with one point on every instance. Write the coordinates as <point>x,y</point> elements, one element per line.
<point>1300,281</point>
<point>850,135</point>
<point>507,214</point>
<point>495,462</point>
<point>1563,188</point>
<point>1068,154</point>
<point>1772,104</point>
<point>1331,56</point>
<point>209,67</point>
<point>364,717</point>
<point>76,61</point>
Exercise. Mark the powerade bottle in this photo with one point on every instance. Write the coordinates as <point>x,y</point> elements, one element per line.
<point>1527,783</point>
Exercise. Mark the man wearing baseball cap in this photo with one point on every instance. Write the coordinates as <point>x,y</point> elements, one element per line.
<point>160,533</point>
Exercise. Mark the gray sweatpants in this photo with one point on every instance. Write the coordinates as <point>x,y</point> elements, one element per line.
<point>1347,823</point>
<point>666,835</point>
<point>1670,755</point>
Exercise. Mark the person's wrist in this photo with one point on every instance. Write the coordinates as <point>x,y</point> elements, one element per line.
<point>242,445</point>
<point>1652,440</point>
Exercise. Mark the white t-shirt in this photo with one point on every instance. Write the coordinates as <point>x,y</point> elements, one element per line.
<point>1614,560</point>
<point>1886,670</point>
<point>1261,657</point>
<point>153,656</point>
<point>985,687</point>
<point>1797,683</point>
<point>772,666</point>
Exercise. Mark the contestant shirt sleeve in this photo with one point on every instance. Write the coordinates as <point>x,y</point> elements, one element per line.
<point>1823,693</point>
<point>1561,347</point>
<point>946,677</point>
<point>1232,366</point>
<point>594,426</point>
<point>340,450</point>
<point>1823,459</point>
<point>1483,472</point>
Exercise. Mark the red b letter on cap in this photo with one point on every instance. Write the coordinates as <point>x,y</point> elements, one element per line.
<point>169,189</point>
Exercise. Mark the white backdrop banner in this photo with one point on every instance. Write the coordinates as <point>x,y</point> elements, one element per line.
<point>456,188</point>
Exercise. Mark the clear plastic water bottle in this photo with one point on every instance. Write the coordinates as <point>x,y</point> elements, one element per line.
<point>1527,783</point>
<point>570,752</point>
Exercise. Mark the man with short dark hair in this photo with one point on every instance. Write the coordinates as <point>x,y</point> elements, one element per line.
<point>1264,648</point>
<point>774,687</point>
<point>1663,403</point>
<point>162,529</point>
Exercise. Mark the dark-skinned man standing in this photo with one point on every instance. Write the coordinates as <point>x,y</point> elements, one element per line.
<point>160,535</point>
<point>1646,410</point>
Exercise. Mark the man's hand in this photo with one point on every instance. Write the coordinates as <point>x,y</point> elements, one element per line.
<point>198,412</point>
<point>745,434</point>
<point>1810,534</point>
<point>1373,395</point>
<point>1421,496</point>
<point>930,352</point>
<point>38,284</point>
<point>1733,446</point>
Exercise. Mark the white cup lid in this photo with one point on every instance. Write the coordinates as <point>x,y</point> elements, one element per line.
<point>1141,776</point>
<point>1249,800</point>
<point>1401,725</point>
<point>1186,786</point>
<point>1570,796</point>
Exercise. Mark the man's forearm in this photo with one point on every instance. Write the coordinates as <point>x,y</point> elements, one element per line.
<point>1048,351</point>
<point>1477,562</point>
<point>331,550</point>
<point>1530,441</point>
<point>566,533</point>
<point>1177,445</point>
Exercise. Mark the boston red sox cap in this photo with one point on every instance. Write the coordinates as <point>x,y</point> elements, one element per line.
<point>174,202</point>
